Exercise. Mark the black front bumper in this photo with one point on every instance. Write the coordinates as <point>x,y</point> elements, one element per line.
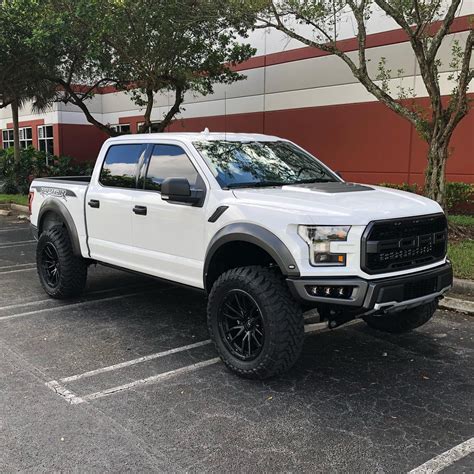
<point>396,293</point>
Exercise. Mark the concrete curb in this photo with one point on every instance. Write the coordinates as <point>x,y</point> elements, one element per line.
<point>463,286</point>
<point>455,304</point>
<point>20,208</point>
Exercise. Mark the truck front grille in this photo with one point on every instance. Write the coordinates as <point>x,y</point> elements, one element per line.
<point>399,244</point>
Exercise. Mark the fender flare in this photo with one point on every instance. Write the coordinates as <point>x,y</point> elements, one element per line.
<point>257,235</point>
<point>58,208</point>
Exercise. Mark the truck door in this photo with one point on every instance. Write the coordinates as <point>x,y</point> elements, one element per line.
<point>169,237</point>
<point>109,207</point>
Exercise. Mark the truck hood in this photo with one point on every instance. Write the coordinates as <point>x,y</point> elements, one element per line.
<point>340,203</point>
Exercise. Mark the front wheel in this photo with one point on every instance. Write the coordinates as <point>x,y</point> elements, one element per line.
<point>62,274</point>
<point>404,320</point>
<point>256,326</point>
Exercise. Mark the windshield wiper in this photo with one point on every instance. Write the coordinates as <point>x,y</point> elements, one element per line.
<point>259,184</point>
<point>315,180</point>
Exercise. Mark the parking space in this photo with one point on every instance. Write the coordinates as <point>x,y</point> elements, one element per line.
<point>125,378</point>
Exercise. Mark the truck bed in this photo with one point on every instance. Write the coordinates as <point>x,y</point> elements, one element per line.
<point>81,180</point>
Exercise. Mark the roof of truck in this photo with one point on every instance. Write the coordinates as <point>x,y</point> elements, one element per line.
<point>192,137</point>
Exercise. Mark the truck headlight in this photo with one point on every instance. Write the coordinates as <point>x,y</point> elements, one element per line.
<point>319,240</point>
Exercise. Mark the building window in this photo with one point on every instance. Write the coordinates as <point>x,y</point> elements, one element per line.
<point>46,139</point>
<point>153,128</point>
<point>26,137</point>
<point>123,129</point>
<point>7,138</point>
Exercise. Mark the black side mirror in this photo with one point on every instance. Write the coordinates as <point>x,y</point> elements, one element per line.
<point>179,190</point>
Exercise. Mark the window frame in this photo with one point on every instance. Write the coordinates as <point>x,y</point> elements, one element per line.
<point>139,124</point>
<point>25,140</point>
<point>45,139</point>
<point>12,141</point>
<point>118,128</point>
<point>142,159</point>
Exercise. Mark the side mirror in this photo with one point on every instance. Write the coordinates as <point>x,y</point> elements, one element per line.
<point>179,190</point>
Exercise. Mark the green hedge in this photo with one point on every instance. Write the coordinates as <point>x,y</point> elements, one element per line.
<point>457,194</point>
<point>16,177</point>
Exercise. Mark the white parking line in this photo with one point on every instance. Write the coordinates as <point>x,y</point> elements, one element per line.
<point>13,267</point>
<point>98,292</point>
<point>68,306</point>
<point>445,459</point>
<point>134,361</point>
<point>63,392</point>
<point>15,228</point>
<point>18,271</point>
<point>148,380</point>
<point>17,244</point>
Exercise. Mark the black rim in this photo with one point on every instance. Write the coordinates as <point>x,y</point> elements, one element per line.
<point>50,264</point>
<point>241,325</point>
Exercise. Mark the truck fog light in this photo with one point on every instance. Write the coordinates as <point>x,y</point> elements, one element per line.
<point>336,292</point>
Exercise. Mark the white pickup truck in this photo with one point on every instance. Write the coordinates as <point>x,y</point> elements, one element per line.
<point>260,225</point>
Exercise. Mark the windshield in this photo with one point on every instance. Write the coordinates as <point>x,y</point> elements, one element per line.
<point>252,164</point>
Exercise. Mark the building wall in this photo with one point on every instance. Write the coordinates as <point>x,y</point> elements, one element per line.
<point>302,94</point>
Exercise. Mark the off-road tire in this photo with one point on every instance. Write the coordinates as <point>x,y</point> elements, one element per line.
<point>73,270</point>
<point>282,321</point>
<point>403,321</point>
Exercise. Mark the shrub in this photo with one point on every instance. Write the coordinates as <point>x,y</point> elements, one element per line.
<point>459,195</point>
<point>411,188</point>
<point>16,177</point>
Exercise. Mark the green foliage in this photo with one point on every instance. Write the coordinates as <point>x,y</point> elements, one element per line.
<point>17,176</point>
<point>411,188</point>
<point>461,220</point>
<point>14,198</point>
<point>462,256</point>
<point>459,194</point>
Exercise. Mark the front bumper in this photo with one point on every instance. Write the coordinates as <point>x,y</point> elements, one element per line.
<point>383,295</point>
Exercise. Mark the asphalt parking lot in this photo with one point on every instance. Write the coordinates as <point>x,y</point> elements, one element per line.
<point>125,379</point>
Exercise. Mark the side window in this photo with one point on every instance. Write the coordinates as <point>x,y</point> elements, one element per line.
<point>120,165</point>
<point>169,161</point>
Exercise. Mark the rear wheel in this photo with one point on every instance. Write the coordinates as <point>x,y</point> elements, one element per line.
<point>257,328</point>
<point>404,320</point>
<point>61,273</point>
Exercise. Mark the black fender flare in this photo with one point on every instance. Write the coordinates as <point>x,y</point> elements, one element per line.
<point>257,235</point>
<point>57,207</point>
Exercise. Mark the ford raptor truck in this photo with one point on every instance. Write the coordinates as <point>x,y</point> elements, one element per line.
<point>256,222</point>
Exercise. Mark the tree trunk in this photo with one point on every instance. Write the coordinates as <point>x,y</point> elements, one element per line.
<point>147,115</point>
<point>16,131</point>
<point>435,182</point>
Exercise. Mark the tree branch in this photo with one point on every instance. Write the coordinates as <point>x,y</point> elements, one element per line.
<point>360,72</point>
<point>459,102</point>
<point>443,31</point>
<point>179,97</point>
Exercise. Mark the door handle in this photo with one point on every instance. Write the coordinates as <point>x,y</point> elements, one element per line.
<point>140,210</point>
<point>94,203</point>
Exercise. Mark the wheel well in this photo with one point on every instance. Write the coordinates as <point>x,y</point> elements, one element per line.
<point>49,220</point>
<point>236,254</point>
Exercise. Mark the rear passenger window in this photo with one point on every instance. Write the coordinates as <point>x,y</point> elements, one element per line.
<point>169,161</point>
<point>120,165</point>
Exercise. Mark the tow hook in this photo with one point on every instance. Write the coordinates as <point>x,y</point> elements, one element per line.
<point>338,319</point>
